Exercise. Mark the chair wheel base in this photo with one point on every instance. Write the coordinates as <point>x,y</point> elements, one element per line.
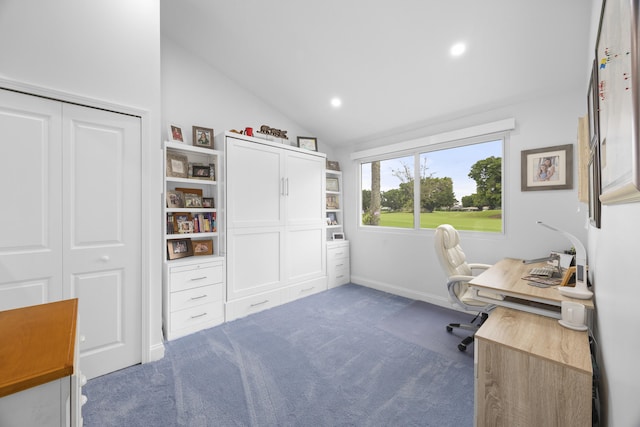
<point>449,329</point>
<point>462,347</point>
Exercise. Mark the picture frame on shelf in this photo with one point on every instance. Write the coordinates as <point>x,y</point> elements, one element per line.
<point>308,143</point>
<point>332,218</point>
<point>201,171</point>
<point>202,137</point>
<point>175,199</point>
<point>197,191</point>
<point>333,165</point>
<point>177,165</point>
<point>178,223</point>
<point>179,248</point>
<point>176,134</point>
<point>333,184</point>
<point>332,201</point>
<point>549,168</point>
<point>619,101</point>
<point>338,236</point>
<point>192,200</point>
<point>208,202</point>
<point>202,247</point>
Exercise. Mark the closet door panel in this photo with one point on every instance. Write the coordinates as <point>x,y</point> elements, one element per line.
<point>102,222</point>
<point>305,175</point>
<point>305,253</point>
<point>255,185</point>
<point>30,149</point>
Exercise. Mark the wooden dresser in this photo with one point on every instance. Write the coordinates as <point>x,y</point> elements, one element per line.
<point>39,380</point>
<point>530,371</point>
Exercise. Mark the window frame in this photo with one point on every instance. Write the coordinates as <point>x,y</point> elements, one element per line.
<point>416,151</point>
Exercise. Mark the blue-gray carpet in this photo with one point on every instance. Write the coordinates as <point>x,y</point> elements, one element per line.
<point>350,356</point>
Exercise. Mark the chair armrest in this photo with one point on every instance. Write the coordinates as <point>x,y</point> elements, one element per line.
<point>477,266</point>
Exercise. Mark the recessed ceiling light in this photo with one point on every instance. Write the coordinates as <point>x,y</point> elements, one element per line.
<point>336,102</point>
<point>458,49</point>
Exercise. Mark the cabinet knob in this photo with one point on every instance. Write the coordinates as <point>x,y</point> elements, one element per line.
<point>82,338</point>
<point>105,258</point>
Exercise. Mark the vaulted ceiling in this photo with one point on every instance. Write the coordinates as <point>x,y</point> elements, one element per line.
<point>388,61</point>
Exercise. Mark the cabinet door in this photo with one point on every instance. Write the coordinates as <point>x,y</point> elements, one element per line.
<point>255,184</point>
<point>304,189</point>
<point>306,256</point>
<point>31,149</point>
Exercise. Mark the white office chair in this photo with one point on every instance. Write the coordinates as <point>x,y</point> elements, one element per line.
<point>459,273</point>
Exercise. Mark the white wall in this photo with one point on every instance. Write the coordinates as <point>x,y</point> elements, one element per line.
<point>196,93</point>
<point>404,262</point>
<point>614,253</point>
<point>106,52</point>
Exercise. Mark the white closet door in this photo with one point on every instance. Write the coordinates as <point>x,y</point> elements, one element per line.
<point>30,236</point>
<point>101,241</point>
<point>304,201</point>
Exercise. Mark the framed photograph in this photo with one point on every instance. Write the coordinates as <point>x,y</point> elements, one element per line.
<point>175,133</point>
<point>595,206</point>
<point>192,200</point>
<point>177,165</point>
<point>332,201</point>
<point>333,184</point>
<point>548,168</point>
<point>201,171</point>
<point>202,137</point>
<point>332,218</point>
<point>179,248</point>
<point>308,143</point>
<point>182,223</point>
<point>618,62</point>
<point>175,199</point>
<point>207,202</point>
<point>338,236</point>
<point>202,247</point>
<point>197,191</point>
<point>333,165</point>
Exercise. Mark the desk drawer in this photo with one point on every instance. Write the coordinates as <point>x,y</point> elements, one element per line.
<point>196,296</point>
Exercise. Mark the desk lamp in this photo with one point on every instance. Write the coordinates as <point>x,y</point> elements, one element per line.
<point>580,291</point>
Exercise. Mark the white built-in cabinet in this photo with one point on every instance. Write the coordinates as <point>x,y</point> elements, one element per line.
<point>194,267</point>
<point>72,220</point>
<point>338,269</point>
<point>276,226</point>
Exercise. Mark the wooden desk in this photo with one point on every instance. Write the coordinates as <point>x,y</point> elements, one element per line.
<point>38,379</point>
<point>530,371</point>
<point>505,278</point>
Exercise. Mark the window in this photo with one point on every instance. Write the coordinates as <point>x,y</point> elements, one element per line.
<point>459,184</point>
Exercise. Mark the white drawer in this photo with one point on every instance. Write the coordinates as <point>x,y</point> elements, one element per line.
<point>339,275</point>
<point>195,277</point>
<point>242,307</point>
<point>196,296</point>
<point>337,253</point>
<point>190,317</point>
<point>307,288</point>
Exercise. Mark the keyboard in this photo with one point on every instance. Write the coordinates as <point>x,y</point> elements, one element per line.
<point>542,271</point>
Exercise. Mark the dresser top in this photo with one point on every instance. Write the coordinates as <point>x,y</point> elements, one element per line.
<point>38,345</point>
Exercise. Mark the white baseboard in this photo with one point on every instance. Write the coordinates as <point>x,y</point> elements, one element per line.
<point>403,292</point>
<point>156,352</point>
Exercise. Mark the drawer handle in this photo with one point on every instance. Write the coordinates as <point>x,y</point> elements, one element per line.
<point>306,290</point>
<point>259,303</point>
<point>199,278</point>
<point>200,297</point>
<point>199,315</point>
<point>340,276</point>
<point>339,265</point>
<point>339,253</point>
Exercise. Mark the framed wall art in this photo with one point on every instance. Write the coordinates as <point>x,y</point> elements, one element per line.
<point>202,137</point>
<point>595,206</point>
<point>549,168</point>
<point>617,58</point>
